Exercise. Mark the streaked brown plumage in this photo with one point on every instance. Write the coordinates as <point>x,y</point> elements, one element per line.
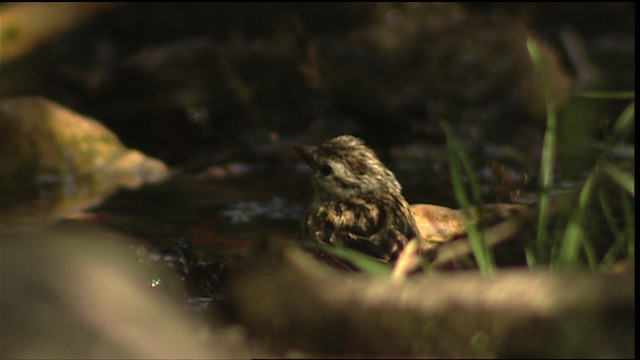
<point>357,201</point>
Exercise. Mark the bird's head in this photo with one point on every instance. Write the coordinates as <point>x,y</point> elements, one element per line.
<point>344,167</point>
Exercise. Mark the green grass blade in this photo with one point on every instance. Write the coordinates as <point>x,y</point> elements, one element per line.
<point>549,145</point>
<point>628,212</point>
<point>608,94</point>
<point>363,262</point>
<point>457,156</point>
<point>574,235</point>
<point>530,257</point>
<point>618,246</point>
<point>625,180</point>
<point>625,120</point>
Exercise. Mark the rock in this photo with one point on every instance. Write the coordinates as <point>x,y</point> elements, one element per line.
<point>84,293</point>
<point>298,303</point>
<point>48,149</point>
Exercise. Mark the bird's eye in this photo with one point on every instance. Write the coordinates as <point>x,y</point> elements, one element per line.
<point>325,170</point>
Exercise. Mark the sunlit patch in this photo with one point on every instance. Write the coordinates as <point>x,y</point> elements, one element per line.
<point>154,283</point>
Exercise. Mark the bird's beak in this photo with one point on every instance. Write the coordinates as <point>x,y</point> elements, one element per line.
<point>306,153</point>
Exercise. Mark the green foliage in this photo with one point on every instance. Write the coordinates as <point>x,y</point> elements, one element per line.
<point>367,264</point>
<point>459,161</point>
<point>592,223</point>
<point>549,145</point>
<point>607,199</point>
<point>590,226</point>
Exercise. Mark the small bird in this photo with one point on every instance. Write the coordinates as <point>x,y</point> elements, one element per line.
<point>357,201</point>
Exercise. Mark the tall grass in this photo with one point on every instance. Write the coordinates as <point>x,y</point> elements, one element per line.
<point>459,162</point>
<point>548,148</point>
<point>565,235</point>
<point>564,250</point>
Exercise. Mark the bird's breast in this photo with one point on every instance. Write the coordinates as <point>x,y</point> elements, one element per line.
<point>356,216</point>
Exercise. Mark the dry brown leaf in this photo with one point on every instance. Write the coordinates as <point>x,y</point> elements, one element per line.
<point>440,224</point>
